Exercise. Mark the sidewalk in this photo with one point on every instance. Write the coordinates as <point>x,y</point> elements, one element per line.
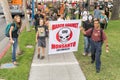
<point>4,46</point>
<point>56,67</point>
<point>3,40</point>
<point>3,43</point>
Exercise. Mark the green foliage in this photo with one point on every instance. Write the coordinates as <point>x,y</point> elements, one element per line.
<point>21,72</point>
<point>110,68</point>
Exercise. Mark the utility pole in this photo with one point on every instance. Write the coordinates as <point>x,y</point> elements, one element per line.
<point>32,10</point>
<point>88,5</point>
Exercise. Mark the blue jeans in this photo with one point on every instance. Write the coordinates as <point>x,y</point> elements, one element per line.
<point>96,49</point>
<point>14,48</point>
<point>87,47</point>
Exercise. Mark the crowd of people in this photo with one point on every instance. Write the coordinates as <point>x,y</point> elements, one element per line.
<point>93,26</point>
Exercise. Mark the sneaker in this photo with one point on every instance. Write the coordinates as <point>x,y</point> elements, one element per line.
<point>89,54</point>
<point>42,57</point>
<point>84,54</point>
<point>97,71</point>
<point>92,61</point>
<point>15,63</point>
<point>38,56</point>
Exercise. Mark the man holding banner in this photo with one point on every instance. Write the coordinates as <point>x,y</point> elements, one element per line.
<point>97,36</point>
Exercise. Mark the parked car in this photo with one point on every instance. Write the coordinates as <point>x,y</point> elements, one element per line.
<point>14,9</point>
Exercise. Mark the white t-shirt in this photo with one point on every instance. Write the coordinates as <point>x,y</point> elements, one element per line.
<point>85,15</point>
<point>60,19</point>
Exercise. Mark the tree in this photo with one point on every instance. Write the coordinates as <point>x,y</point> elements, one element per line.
<point>88,5</point>
<point>116,10</point>
<point>26,15</point>
<point>37,3</point>
<point>6,10</point>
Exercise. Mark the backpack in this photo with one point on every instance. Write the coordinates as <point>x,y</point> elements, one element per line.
<point>101,34</point>
<point>7,29</point>
<point>103,19</point>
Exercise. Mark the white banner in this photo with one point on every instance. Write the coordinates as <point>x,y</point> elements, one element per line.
<point>64,36</point>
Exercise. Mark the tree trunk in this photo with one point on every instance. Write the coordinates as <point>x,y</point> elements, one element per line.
<point>6,11</point>
<point>26,16</point>
<point>36,7</point>
<point>115,10</point>
<point>36,3</point>
<point>88,5</point>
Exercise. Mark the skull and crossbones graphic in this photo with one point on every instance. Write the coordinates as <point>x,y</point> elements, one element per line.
<point>64,35</point>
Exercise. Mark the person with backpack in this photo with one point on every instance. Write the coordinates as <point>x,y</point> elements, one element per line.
<point>87,25</point>
<point>41,38</point>
<point>107,13</point>
<point>84,15</point>
<point>98,36</point>
<point>13,35</point>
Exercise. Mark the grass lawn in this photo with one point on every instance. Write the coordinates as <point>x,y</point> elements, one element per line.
<point>22,71</point>
<point>110,68</point>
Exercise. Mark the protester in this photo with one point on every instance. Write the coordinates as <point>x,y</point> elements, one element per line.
<point>46,25</point>
<point>62,9</point>
<point>61,18</point>
<point>107,13</point>
<point>14,36</point>
<point>87,25</point>
<point>85,14</point>
<point>103,20</point>
<point>98,36</point>
<point>66,10</point>
<point>41,38</point>
<point>80,11</point>
<point>97,13</point>
<point>73,13</point>
<point>40,6</point>
<point>37,17</point>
